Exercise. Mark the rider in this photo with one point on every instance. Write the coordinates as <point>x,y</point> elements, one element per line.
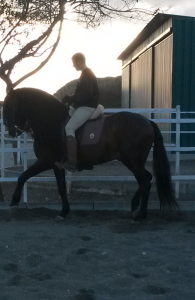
<point>84,102</point>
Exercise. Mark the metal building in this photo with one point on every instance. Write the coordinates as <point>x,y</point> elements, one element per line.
<point>158,67</point>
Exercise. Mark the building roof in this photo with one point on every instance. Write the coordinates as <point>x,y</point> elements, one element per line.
<point>152,26</point>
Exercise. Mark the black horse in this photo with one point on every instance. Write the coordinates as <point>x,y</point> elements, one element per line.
<point>127,137</point>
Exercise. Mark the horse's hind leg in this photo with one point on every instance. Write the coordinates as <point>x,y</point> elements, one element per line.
<point>60,178</point>
<point>135,202</point>
<point>142,194</point>
<point>143,178</point>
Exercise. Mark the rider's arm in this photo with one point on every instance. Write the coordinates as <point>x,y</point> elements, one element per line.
<point>84,91</point>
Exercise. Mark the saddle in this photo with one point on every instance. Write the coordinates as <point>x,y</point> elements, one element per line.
<point>90,132</point>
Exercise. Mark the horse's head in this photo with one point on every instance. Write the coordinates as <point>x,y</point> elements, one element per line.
<point>13,117</point>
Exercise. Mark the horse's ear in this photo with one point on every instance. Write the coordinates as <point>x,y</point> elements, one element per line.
<point>9,90</point>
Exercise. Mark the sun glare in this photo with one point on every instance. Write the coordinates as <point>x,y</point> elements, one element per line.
<point>101,48</point>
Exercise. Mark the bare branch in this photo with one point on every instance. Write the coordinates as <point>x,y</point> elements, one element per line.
<point>93,12</point>
<point>18,18</point>
<point>10,32</point>
<point>23,53</point>
<point>44,62</point>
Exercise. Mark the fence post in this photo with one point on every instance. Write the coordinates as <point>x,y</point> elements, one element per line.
<point>25,166</point>
<point>2,145</point>
<point>177,161</point>
<point>18,153</point>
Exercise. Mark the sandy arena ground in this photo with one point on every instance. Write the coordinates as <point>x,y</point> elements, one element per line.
<point>96,256</point>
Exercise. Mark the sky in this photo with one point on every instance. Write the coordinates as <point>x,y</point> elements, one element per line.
<point>101,47</point>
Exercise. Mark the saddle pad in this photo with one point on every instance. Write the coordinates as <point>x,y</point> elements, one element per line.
<point>90,132</point>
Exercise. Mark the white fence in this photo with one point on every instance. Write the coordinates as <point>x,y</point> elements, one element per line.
<point>174,119</point>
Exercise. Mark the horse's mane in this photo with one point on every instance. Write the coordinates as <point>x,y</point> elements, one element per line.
<point>38,99</point>
<point>44,112</point>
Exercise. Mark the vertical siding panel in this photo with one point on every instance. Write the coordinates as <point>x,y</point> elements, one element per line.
<point>189,77</point>
<point>186,45</point>
<point>178,54</point>
<point>184,72</point>
<point>192,81</point>
<point>187,65</point>
<point>192,75</point>
<point>178,72</point>
<point>125,87</point>
<point>163,63</point>
<point>163,73</point>
<point>141,76</point>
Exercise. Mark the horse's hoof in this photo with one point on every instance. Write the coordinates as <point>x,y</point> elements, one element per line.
<point>60,218</point>
<point>135,222</point>
<point>135,213</point>
<point>138,216</point>
<point>13,209</point>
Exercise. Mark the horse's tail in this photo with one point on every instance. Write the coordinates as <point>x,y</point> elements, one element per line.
<point>161,169</point>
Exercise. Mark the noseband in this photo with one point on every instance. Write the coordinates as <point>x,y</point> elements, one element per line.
<point>18,131</point>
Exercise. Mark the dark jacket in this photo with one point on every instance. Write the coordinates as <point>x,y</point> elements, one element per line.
<point>87,91</point>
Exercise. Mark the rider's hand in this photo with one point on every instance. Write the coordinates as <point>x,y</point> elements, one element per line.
<point>66,100</point>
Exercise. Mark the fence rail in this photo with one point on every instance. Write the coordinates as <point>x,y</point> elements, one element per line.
<point>174,119</point>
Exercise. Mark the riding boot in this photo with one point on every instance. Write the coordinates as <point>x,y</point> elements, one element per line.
<point>71,164</point>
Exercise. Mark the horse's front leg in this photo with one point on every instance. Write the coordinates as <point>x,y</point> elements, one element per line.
<point>135,202</point>
<point>38,167</point>
<point>60,178</point>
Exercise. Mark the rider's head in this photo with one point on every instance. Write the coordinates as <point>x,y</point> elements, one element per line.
<point>79,61</point>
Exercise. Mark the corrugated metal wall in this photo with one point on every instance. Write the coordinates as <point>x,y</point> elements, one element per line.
<point>140,86</point>
<point>125,87</point>
<point>149,39</point>
<point>184,71</point>
<point>184,63</point>
<point>163,65</point>
<point>163,62</point>
<point>171,79</point>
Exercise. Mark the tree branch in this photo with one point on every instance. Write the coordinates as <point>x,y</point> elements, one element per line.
<point>15,13</point>
<point>7,81</point>
<point>42,63</point>
<point>8,65</point>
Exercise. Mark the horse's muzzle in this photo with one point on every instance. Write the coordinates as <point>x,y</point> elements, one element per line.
<point>13,132</point>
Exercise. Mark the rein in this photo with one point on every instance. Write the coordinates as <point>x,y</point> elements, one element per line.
<point>25,129</point>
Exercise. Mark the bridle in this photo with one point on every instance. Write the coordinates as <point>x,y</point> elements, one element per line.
<point>18,131</point>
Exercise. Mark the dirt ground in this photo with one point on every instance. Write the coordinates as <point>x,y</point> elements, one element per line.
<point>96,256</point>
<point>47,192</point>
